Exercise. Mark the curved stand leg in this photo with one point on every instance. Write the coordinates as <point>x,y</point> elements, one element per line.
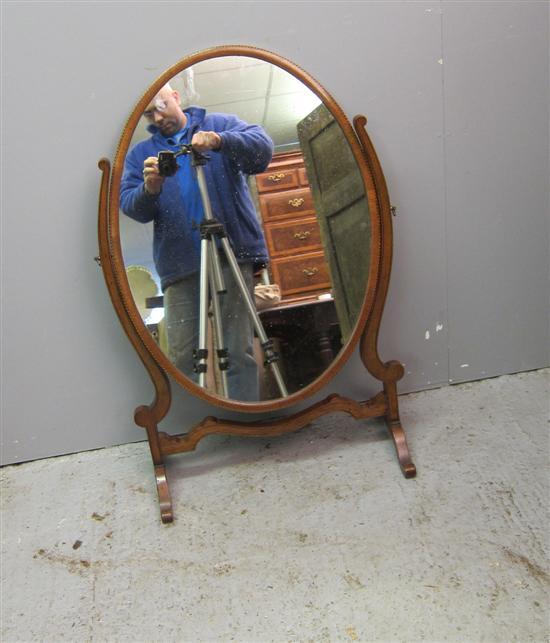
<point>144,417</point>
<point>165,501</point>
<point>402,448</point>
<point>396,431</point>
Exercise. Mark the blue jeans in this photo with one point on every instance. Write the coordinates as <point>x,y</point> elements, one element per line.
<point>181,311</point>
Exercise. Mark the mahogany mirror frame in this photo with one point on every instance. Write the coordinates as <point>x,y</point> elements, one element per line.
<point>159,367</point>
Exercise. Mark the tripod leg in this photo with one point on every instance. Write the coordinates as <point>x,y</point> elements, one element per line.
<point>201,355</point>
<point>221,349</point>
<point>209,216</point>
<point>217,283</point>
<point>271,356</point>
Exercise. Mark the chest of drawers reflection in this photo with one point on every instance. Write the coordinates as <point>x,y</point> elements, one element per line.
<point>292,233</point>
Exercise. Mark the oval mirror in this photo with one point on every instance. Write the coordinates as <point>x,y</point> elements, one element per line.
<point>236,162</point>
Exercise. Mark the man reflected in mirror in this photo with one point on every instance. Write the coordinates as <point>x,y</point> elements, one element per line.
<point>235,150</point>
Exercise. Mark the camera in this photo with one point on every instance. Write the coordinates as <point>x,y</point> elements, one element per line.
<point>168,165</point>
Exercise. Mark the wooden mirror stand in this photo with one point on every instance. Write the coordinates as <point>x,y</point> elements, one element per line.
<point>384,404</point>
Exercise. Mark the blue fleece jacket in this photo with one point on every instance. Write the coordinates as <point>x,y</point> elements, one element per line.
<point>245,149</point>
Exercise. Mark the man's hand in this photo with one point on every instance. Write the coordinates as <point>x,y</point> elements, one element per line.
<point>204,141</point>
<point>151,178</point>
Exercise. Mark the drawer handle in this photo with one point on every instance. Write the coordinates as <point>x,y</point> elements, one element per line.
<point>302,235</point>
<point>276,177</point>
<point>296,203</point>
<point>309,272</point>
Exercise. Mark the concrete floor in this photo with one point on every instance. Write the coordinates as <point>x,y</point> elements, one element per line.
<point>314,536</point>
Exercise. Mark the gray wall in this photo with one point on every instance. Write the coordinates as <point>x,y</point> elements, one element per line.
<point>456,95</point>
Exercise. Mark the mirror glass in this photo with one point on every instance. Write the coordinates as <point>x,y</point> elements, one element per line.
<point>270,195</point>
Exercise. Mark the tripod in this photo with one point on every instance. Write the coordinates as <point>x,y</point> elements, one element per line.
<point>212,285</point>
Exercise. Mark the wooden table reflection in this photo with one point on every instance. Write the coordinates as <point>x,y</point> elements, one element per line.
<point>307,334</point>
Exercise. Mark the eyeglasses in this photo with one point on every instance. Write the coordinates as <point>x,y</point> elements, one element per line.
<point>160,105</point>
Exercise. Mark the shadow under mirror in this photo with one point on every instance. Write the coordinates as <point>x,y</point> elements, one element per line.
<point>255,180</point>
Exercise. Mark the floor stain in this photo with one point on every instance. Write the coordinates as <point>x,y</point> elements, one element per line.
<point>75,565</point>
<point>221,569</point>
<point>422,517</point>
<point>335,493</point>
<point>138,489</point>
<point>99,517</point>
<point>350,631</point>
<point>534,570</point>
<point>353,581</point>
<point>455,581</point>
<point>72,564</point>
<point>293,578</point>
<point>495,595</point>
